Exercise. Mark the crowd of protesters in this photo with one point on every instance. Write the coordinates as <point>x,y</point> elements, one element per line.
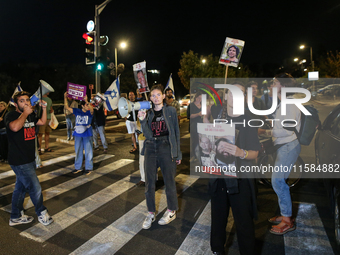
<point>159,147</point>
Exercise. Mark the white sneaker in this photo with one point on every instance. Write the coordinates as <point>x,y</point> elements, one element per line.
<point>24,219</point>
<point>45,218</point>
<point>148,220</point>
<point>167,217</point>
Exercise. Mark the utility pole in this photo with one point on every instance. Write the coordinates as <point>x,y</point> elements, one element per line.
<point>98,10</point>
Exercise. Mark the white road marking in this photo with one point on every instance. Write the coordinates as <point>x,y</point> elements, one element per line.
<point>71,184</point>
<point>115,236</point>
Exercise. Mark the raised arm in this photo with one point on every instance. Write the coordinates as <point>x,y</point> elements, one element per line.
<point>66,104</point>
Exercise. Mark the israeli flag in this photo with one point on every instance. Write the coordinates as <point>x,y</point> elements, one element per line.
<point>170,85</point>
<point>18,88</point>
<point>112,95</point>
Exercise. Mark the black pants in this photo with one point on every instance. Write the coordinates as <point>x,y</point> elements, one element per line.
<point>3,147</point>
<point>241,205</point>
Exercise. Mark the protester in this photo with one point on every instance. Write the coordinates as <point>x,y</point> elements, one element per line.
<point>46,129</point>
<point>3,135</point>
<point>238,193</point>
<point>161,149</point>
<point>267,97</point>
<point>195,115</point>
<point>131,125</point>
<point>141,139</point>
<point>170,100</point>
<point>20,128</point>
<point>288,150</point>
<point>70,118</point>
<point>257,104</point>
<point>83,135</point>
<point>98,127</point>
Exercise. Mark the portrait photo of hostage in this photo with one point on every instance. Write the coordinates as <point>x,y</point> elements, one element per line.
<point>214,147</point>
<point>231,52</point>
<point>139,71</point>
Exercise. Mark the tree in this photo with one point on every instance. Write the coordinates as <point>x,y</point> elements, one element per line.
<point>193,67</point>
<point>330,65</point>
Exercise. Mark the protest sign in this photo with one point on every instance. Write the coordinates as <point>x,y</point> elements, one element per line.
<point>231,52</point>
<point>76,91</point>
<point>139,71</point>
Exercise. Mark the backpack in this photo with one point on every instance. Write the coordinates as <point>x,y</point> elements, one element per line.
<point>309,124</point>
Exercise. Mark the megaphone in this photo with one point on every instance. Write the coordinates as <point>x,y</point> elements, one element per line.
<point>45,88</point>
<point>125,106</point>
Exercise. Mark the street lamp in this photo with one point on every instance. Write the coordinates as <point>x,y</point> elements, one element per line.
<point>204,60</point>
<point>296,59</point>
<point>122,45</point>
<point>312,62</point>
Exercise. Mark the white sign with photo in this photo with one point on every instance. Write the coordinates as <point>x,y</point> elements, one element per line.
<point>212,153</point>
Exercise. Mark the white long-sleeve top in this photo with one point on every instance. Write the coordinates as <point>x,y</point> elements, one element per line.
<point>280,134</point>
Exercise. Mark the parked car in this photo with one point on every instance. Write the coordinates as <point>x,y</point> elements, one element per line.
<point>332,89</point>
<point>185,101</point>
<point>327,144</point>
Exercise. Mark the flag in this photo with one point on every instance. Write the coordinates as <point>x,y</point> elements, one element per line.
<point>112,95</point>
<point>18,88</point>
<point>170,85</point>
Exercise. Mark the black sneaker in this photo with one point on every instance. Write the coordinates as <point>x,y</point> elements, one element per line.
<point>87,172</point>
<point>75,171</point>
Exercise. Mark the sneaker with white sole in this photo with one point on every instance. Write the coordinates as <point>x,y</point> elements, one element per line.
<point>45,218</point>
<point>148,220</point>
<point>24,219</point>
<point>167,217</point>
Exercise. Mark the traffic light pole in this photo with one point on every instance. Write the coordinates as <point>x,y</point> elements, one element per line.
<point>98,10</point>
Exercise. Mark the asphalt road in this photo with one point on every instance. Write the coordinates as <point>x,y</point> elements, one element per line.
<point>102,213</point>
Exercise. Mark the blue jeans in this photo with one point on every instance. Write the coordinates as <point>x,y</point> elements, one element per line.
<point>70,124</point>
<point>286,157</point>
<point>101,131</point>
<point>27,181</point>
<point>158,154</point>
<point>81,143</point>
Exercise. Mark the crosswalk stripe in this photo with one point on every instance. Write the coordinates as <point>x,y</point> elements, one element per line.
<point>310,235</point>
<point>115,236</point>
<point>70,215</point>
<point>44,163</point>
<point>75,182</point>
<point>186,136</point>
<point>48,176</point>
<point>198,239</point>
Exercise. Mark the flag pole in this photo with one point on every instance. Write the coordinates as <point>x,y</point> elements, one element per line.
<point>225,80</point>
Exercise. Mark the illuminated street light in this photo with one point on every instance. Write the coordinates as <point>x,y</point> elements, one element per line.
<point>123,46</point>
<point>305,69</point>
<point>204,60</point>
<point>303,61</point>
<point>296,59</point>
<point>312,62</point>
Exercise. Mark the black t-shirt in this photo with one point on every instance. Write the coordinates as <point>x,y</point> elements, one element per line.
<point>158,125</point>
<point>21,149</point>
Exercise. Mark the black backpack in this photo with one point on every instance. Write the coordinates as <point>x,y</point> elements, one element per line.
<point>309,125</point>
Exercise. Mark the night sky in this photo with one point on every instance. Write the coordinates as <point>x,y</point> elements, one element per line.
<point>50,31</point>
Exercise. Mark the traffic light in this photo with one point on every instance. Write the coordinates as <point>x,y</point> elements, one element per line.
<point>99,64</point>
<point>90,39</point>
